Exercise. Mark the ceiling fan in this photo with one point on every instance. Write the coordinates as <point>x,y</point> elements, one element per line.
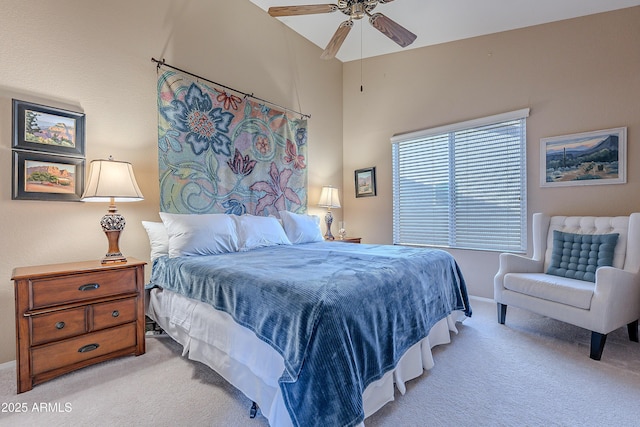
<point>354,9</point>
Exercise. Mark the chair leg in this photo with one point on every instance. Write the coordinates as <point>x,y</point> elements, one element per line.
<point>502,313</point>
<point>597,345</point>
<point>633,331</point>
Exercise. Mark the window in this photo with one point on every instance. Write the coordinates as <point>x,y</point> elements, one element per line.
<point>462,185</point>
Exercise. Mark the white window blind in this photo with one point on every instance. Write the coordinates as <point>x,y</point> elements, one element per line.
<point>462,185</point>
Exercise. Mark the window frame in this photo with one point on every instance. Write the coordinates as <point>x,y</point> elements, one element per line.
<point>448,131</point>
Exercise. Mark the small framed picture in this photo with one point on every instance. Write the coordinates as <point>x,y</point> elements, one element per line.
<point>590,158</point>
<point>47,129</point>
<point>42,176</point>
<point>365,182</point>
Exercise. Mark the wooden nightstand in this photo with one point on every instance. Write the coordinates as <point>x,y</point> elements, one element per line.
<point>349,239</point>
<point>73,315</point>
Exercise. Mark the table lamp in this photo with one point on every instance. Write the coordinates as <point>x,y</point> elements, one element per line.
<point>112,181</point>
<point>329,199</point>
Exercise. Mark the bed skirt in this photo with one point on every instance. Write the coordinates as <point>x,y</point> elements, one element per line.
<point>251,365</point>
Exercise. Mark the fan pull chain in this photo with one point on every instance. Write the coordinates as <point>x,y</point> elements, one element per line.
<point>361,86</point>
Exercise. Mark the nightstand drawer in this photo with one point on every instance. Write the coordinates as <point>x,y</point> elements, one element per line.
<point>58,325</point>
<point>74,350</point>
<point>80,287</point>
<point>114,313</point>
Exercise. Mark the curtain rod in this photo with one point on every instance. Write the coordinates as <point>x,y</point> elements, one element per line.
<point>249,95</point>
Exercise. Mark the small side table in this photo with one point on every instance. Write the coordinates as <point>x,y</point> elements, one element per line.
<point>349,239</point>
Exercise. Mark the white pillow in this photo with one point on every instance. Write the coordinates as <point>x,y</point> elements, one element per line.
<point>258,231</point>
<point>158,238</point>
<point>301,228</point>
<point>205,234</point>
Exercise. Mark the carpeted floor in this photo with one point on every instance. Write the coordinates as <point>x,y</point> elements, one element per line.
<point>533,371</point>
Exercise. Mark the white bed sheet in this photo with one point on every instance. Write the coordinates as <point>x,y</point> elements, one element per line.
<point>212,337</point>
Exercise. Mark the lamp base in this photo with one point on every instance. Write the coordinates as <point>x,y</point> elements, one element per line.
<point>328,219</point>
<point>114,256</point>
<point>112,261</point>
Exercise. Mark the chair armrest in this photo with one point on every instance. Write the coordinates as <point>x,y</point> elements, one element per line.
<point>617,296</point>
<point>512,263</point>
<point>611,281</point>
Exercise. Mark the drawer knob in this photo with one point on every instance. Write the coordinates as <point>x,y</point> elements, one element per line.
<point>59,325</point>
<point>89,287</point>
<point>87,348</point>
<point>115,313</point>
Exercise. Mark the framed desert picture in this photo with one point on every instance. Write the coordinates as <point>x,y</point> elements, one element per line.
<point>41,176</point>
<point>47,129</point>
<point>590,158</point>
<point>365,182</point>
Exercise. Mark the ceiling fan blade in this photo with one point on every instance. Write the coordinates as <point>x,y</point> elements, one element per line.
<point>392,29</point>
<point>336,41</point>
<point>302,10</point>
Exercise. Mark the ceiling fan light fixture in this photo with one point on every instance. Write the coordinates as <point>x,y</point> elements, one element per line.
<point>357,11</point>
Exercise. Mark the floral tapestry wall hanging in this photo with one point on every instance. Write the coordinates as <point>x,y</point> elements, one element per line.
<point>219,153</point>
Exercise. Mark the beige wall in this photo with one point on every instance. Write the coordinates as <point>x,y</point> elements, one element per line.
<point>576,76</point>
<point>95,57</point>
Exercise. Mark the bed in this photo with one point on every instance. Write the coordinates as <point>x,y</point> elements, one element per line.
<point>314,332</point>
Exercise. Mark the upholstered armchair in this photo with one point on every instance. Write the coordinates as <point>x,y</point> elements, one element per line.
<point>585,277</point>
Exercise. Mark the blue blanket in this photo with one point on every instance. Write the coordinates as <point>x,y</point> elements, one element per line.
<point>341,315</point>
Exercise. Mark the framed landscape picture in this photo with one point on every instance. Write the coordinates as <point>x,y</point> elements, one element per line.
<point>47,129</point>
<point>590,158</point>
<point>365,182</point>
<point>41,176</point>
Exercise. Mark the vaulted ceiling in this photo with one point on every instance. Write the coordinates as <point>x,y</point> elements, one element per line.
<point>436,22</point>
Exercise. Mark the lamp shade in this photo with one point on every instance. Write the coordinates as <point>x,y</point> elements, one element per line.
<point>111,179</point>
<point>329,197</point>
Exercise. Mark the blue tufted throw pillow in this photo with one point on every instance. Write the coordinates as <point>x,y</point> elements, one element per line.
<point>577,256</point>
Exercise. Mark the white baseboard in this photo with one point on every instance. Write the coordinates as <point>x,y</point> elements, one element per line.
<point>485,299</point>
<point>8,365</point>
